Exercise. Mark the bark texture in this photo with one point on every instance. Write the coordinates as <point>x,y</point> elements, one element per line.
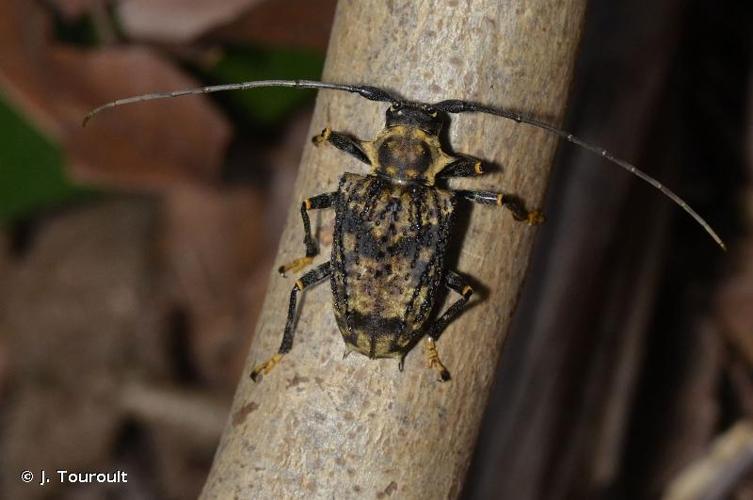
<point>319,426</point>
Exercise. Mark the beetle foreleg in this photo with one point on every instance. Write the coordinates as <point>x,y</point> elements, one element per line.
<point>343,142</point>
<point>312,277</point>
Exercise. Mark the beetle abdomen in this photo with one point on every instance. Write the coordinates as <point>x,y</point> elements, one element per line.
<point>388,261</point>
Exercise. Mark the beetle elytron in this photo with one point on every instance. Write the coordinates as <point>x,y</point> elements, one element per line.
<point>392,225</point>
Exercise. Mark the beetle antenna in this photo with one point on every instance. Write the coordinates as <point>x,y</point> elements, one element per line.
<point>456,106</point>
<point>371,93</point>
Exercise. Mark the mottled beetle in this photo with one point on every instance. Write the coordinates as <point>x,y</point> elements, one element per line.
<point>392,225</point>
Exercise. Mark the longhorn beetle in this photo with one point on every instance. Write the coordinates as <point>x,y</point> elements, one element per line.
<point>392,225</point>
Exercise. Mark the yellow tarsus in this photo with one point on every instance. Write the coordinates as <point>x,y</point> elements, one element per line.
<point>433,361</point>
<point>266,367</point>
<point>296,265</point>
<point>535,217</point>
<point>321,138</point>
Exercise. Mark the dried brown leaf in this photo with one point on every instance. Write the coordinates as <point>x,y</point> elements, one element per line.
<point>146,145</point>
<point>215,242</point>
<point>294,23</point>
<point>177,21</point>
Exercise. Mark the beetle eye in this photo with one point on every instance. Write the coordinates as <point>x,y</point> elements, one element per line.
<point>430,110</point>
<point>395,106</point>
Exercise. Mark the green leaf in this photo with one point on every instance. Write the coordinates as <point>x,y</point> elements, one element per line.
<point>31,168</point>
<point>267,106</point>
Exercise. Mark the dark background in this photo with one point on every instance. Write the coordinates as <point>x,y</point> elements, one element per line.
<point>134,254</point>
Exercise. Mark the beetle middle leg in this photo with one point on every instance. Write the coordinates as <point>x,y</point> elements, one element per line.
<point>320,201</point>
<point>313,277</point>
<point>511,202</point>
<point>459,284</point>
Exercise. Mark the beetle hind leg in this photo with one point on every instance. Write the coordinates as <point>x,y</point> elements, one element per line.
<point>309,279</point>
<point>458,284</point>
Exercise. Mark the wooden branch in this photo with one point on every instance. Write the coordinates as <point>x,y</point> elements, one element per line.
<point>321,426</point>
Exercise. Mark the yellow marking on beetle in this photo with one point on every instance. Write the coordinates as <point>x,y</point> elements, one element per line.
<point>307,202</point>
<point>419,134</point>
<point>403,341</point>
<point>467,290</point>
<point>433,361</point>
<point>266,367</point>
<point>411,173</point>
<point>323,137</point>
<point>299,284</point>
<point>295,265</point>
<point>349,243</point>
<point>500,200</point>
<point>396,130</point>
<point>535,217</point>
<point>391,170</point>
<point>363,343</point>
<point>478,168</point>
<point>382,347</point>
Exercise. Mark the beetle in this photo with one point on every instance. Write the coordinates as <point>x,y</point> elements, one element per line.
<point>392,226</point>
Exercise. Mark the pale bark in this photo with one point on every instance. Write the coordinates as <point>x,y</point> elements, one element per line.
<point>319,426</point>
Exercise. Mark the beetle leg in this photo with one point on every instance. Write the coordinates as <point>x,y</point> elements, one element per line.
<point>343,142</point>
<point>463,166</point>
<point>316,275</point>
<point>456,283</point>
<point>320,201</point>
<point>511,202</point>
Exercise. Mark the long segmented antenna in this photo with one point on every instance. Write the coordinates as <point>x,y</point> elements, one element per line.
<point>455,106</point>
<point>371,93</point>
<point>448,106</point>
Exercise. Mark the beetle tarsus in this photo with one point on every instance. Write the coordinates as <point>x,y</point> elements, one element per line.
<point>295,265</point>
<point>433,361</point>
<point>266,367</point>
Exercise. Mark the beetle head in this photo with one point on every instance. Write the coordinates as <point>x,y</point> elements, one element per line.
<point>417,115</point>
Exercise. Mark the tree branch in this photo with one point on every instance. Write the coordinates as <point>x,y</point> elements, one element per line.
<point>321,426</point>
